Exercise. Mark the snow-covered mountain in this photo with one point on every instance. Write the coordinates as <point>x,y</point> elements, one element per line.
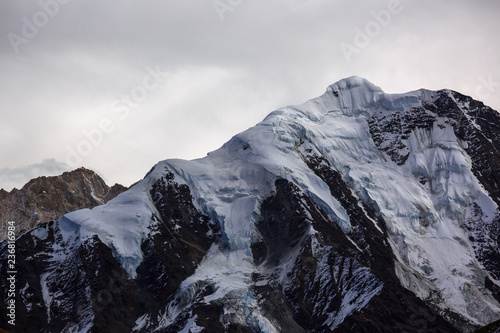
<point>358,211</point>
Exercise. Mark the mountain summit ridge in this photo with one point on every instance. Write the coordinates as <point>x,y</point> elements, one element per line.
<point>48,198</point>
<point>315,219</point>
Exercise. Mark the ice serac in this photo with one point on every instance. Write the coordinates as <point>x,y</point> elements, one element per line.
<point>355,211</point>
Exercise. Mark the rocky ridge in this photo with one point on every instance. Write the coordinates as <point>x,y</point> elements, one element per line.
<point>48,198</point>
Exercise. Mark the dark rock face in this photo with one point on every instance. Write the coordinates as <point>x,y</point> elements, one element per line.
<point>87,283</point>
<point>180,238</point>
<point>47,198</point>
<point>3,193</point>
<point>491,328</point>
<point>389,132</point>
<point>90,287</point>
<point>283,226</point>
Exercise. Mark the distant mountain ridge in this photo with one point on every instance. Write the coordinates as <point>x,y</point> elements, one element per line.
<point>44,199</point>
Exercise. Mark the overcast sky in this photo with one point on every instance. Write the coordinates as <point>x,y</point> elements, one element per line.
<point>119,85</point>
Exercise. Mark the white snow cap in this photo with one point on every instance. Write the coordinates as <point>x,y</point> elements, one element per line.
<point>352,83</point>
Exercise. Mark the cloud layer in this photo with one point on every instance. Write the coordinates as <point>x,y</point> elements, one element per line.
<point>76,75</point>
<point>12,177</point>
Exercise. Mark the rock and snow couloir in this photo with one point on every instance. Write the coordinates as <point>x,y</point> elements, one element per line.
<point>354,210</point>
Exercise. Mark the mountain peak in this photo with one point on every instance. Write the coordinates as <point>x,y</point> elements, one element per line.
<point>47,198</point>
<point>354,83</point>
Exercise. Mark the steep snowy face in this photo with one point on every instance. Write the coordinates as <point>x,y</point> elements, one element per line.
<point>400,155</point>
<point>122,224</point>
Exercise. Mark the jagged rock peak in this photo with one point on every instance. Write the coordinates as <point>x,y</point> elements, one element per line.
<point>47,198</point>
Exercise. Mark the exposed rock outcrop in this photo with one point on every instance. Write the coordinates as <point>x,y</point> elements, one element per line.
<point>47,198</point>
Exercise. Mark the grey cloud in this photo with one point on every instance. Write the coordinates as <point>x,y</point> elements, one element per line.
<point>223,75</point>
<point>12,177</point>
